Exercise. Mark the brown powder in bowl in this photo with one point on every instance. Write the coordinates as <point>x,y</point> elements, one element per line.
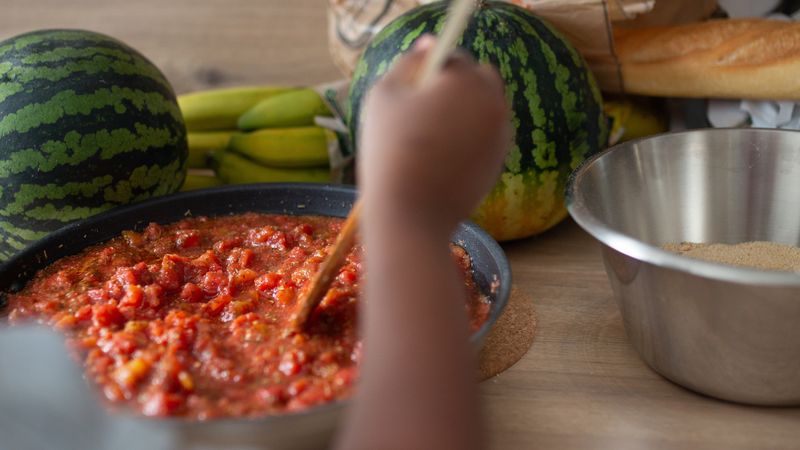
<point>757,255</point>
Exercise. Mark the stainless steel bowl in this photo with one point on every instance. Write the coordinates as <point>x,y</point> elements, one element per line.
<point>728,332</point>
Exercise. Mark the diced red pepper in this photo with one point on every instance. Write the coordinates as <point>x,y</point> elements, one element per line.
<point>261,235</point>
<point>160,404</point>
<point>272,395</point>
<point>240,258</point>
<point>170,276</point>
<point>293,362</point>
<point>134,296</point>
<point>153,231</point>
<point>107,316</point>
<point>83,313</point>
<point>267,282</point>
<point>285,294</point>
<point>227,244</point>
<point>213,282</point>
<point>154,295</point>
<point>192,293</point>
<point>63,321</point>
<point>217,304</point>
<point>207,262</point>
<point>347,277</point>
<point>187,238</point>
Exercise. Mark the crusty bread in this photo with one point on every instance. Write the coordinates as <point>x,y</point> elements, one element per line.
<point>663,12</point>
<point>753,58</point>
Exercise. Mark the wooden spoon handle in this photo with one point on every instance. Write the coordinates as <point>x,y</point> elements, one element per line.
<point>319,284</point>
<point>457,19</point>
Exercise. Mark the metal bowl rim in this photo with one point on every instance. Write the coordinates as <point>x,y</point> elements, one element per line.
<point>657,256</point>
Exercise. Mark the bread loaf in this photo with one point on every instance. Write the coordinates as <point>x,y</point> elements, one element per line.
<point>753,58</point>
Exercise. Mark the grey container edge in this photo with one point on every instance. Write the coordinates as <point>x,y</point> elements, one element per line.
<point>306,429</point>
<point>727,332</point>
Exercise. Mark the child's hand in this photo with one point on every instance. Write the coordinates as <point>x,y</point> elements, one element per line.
<point>428,155</point>
<point>432,152</point>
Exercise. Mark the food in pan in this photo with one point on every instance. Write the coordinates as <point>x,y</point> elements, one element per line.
<point>190,319</point>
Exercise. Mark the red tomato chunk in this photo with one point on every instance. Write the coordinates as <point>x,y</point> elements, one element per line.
<point>188,319</point>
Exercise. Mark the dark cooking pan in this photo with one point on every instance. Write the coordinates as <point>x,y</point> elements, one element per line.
<point>287,430</point>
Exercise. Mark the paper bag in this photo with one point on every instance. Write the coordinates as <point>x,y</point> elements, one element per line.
<point>586,23</point>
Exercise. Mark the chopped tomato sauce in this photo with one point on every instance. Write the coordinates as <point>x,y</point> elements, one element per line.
<point>189,319</point>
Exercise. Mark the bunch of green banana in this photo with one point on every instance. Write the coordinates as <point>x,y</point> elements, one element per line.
<point>233,168</point>
<point>220,109</point>
<point>287,109</point>
<point>202,143</point>
<point>255,135</point>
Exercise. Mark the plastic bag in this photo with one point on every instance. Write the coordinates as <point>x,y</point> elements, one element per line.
<point>587,23</point>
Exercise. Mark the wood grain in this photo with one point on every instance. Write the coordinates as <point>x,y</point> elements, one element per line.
<point>581,385</point>
<point>199,43</point>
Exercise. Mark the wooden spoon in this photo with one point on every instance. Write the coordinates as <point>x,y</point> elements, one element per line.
<point>457,19</point>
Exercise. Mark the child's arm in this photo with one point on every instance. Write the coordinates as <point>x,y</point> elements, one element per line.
<point>428,156</point>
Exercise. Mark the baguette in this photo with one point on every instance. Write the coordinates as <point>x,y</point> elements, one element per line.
<point>748,58</point>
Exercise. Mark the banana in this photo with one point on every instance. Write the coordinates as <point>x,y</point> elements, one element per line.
<point>198,181</point>
<point>289,109</point>
<point>235,169</point>
<point>219,109</point>
<point>284,147</point>
<point>203,142</point>
<point>635,117</point>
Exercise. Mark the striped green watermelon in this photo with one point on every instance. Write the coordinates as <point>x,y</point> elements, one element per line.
<point>556,107</point>
<point>86,123</point>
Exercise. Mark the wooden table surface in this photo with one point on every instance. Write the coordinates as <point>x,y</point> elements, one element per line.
<point>581,385</point>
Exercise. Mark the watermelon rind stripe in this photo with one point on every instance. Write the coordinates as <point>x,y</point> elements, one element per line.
<point>21,232</point>
<point>35,37</point>
<point>8,89</point>
<point>68,103</point>
<point>97,191</point>
<point>81,84</point>
<point>399,25</point>
<point>49,206</point>
<point>97,64</point>
<point>94,164</point>
<point>29,192</point>
<point>59,54</point>
<point>97,61</point>
<point>77,148</point>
